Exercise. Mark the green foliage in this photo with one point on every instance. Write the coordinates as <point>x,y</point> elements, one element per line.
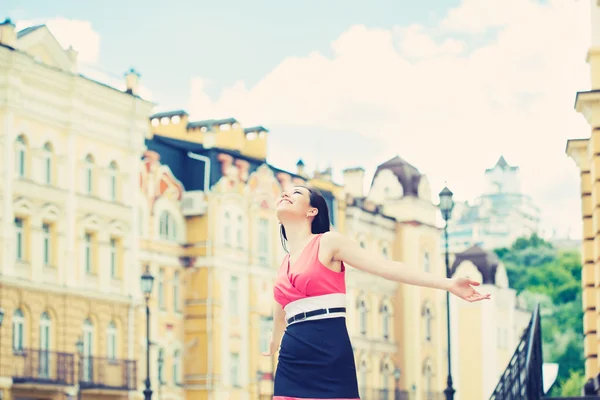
<point>541,273</point>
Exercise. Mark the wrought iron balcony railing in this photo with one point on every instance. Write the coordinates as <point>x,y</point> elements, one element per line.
<point>43,366</point>
<point>106,373</point>
<point>383,394</point>
<point>522,379</point>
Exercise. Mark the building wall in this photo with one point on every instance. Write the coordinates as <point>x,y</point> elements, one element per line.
<point>68,227</point>
<point>585,152</point>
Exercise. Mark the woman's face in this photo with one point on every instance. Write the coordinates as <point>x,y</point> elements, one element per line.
<point>295,204</point>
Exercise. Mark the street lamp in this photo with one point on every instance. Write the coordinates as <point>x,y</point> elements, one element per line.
<point>147,280</point>
<point>397,381</point>
<point>446,206</point>
<point>1,320</point>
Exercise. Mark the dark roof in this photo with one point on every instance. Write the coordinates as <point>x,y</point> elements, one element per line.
<point>485,261</point>
<point>360,202</point>
<point>300,163</point>
<point>28,30</point>
<point>256,129</point>
<point>408,176</point>
<point>7,21</point>
<point>502,164</point>
<point>352,169</point>
<point>169,114</point>
<point>210,123</point>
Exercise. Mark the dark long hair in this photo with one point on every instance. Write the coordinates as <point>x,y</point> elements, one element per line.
<point>320,224</point>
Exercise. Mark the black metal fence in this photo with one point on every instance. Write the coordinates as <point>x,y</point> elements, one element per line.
<point>522,379</point>
<point>107,373</point>
<point>43,366</point>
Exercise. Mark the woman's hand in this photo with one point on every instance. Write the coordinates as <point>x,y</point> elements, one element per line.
<point>463,288</point>
<point>273,348</point>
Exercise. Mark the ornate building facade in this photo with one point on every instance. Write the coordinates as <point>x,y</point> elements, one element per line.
<point>68,236</point>
<point>586,154</point>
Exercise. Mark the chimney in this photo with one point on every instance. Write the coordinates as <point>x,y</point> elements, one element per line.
<point>132,79</point>
<point>72,53</point>
<point>8,36</point>
<point>354,181</point>
<point>300,168</point>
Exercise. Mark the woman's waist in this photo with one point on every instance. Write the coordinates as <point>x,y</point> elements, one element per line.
<point>316,307</point>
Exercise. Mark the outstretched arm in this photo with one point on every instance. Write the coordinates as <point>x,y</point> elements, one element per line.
<point>346,250</point>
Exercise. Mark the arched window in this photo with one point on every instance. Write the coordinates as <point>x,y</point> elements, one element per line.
<point>176,292</point>
<point>227,229</point>
<point>428,377</point>
<point>240,231</point>
<point>45,332</point>
<point>18,330</point>
<point>385,319</point>
<point>176,367</point>
<point>47,163</point>
<point>88,350</point>
<point>362,317</point>
<point>426,262</point>
<point>113,181</point>
<point>161,366</point>
<point>88,174</point>
<point>21,156</point>
<point>111,341</point>
<point>428,322</point>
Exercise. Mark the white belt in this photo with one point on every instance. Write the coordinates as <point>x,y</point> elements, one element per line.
<point>299,308</point>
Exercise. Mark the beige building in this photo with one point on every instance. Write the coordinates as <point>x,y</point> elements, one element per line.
<point>485,334</point>
<point>586,154</point>
<point>70,149</point>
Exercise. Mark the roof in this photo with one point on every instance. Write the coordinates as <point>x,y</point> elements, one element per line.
<point>169,114</point>
<point>256,129</point>
<point>29,30</point>
<point>502,164</point>
<point>210,123</point>
<point>408,175</point>
<point>485,261</point>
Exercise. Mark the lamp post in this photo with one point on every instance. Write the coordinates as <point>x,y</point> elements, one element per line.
<point>397,382</point>
<point>446,206</point>
<point>147,280</point>
<point>1,320</point>
<point>79,347</point>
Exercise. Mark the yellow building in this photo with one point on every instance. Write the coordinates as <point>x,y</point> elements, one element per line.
<point>586,153</point>
<point>70,150</point>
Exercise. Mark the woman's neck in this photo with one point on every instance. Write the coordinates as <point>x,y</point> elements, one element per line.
<point>297,236</point>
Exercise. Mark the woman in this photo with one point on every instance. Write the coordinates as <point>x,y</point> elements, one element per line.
<point>315,354</point>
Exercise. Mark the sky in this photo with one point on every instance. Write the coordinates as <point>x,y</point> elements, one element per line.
<point>448,85</point>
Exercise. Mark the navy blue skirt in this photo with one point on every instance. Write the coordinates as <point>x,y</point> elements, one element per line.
<point>316,361</point>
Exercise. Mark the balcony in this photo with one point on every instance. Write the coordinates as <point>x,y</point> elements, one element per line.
<point>383,394</point>
<point>43,367</point>
<point>107,374</point>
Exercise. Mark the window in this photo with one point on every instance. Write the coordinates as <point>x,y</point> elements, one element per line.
<point>362,375</point>
<point>385,252</point>
<point>233,295</point>
<point>227,229</point>
<point>385,315</point>
<point>428,318</point>
<point>240,232</point>
<point>88,346</point>
<point>176,293</point>
<point>161,288</point>
<point>88,175</point>
<point>362,311</point>
<point>88,241</point>
<point>18,330</point>
<point>47,243</point>
<point>21,156</point>
<point>161,366</point>
<point>114,250</point>
<point>20,239</point>
<point>45,329</point>
<point>235,370</point>
<point>263,240</point>
<point>167,228</point>
<point>428,372</point>
<point>113,191</point>
<point>176,364</point>
<point>111,341</point>
<point>266,327</point>
<point>47,164</point>
<point>426,262</point>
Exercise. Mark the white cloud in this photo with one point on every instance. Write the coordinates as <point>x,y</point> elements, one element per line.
<point>446,98</point>
<point>81,35</point>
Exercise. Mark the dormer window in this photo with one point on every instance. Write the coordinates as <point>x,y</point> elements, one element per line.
<point>165,120</point>
<point>176,119</point>
<point>224,127</point>
<point>203,129</point>
<point>155,122</point>
<point>251,136</point>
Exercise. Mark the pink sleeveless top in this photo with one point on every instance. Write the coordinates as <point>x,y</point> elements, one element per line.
<point>307,277</point>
